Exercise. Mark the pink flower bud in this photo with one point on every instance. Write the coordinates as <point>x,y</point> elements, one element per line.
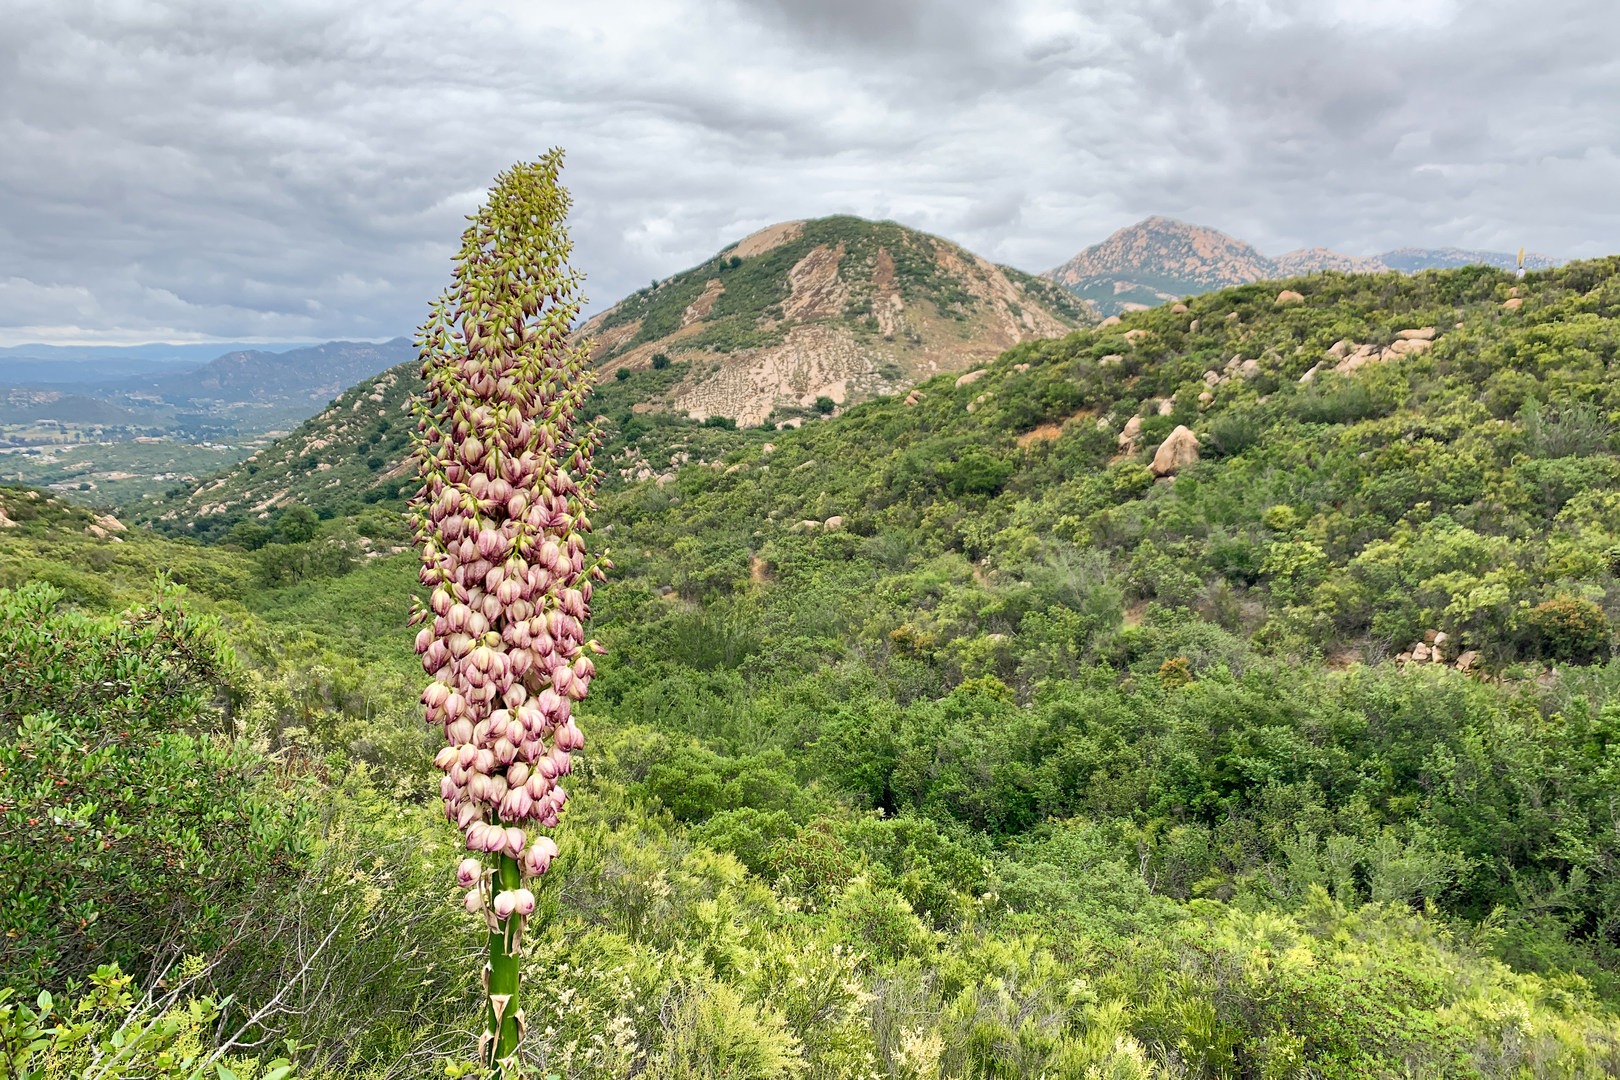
<point>505,903</point>
<point>468,873</point>
<point>473,902</point>
<point>424,638</point>
<point>515,806</point>
<point>456,619</point>
<point>435,696</point>
<point>552,705</point>
<point>515,841</point>
<point>525,902</point>
<point>446,757</point>
<point>517,773</point>
<point>492,545</point>
<point>461,731</point>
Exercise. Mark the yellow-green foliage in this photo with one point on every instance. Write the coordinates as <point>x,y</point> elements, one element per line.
<point>1029,766</point>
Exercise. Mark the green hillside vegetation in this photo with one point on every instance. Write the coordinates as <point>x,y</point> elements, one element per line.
<point>944,739</point>
<point>352,456</point>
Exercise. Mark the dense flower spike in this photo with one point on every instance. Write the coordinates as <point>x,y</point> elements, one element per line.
<point>503,518</point>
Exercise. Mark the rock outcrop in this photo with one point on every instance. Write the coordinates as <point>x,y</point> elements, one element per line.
<point>1178,450</point>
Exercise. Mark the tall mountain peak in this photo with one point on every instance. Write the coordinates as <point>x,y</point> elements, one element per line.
<point>836,307</point>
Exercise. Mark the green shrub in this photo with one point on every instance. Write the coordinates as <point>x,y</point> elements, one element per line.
<point>128,814</point>
<point>1570,628</point>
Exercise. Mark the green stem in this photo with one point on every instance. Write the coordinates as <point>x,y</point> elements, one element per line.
<point>503,978</point>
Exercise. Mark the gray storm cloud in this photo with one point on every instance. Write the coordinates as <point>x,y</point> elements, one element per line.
<point>193,169</point>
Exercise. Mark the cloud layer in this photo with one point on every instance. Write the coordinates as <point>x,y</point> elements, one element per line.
<point>194,169</point>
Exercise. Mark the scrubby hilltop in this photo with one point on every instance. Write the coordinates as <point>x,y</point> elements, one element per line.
<point>836,307</point>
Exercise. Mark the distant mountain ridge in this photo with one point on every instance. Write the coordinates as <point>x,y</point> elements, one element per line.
<point>314,374</point>
<point>1161,259</point>
<point>39,364</point>
<point>242,391</point>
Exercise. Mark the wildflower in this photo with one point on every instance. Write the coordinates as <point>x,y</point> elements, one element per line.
<point>503,521</point>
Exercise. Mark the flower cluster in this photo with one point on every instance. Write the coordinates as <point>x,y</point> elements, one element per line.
<point>502,517</point>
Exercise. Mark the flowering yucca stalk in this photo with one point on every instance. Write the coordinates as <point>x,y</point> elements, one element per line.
<point>507,484</point>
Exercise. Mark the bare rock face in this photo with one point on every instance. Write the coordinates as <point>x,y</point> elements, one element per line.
<point>1178,309</point>
<point>1177,451</point>
<point>1513,303</point>
<point>1407,347</point>
<point>971,377</point>
<point>1289,296</point>
<point>834,523</point>
<point>1421,333</point>
<point>1129,434</point>
<point>1112,320</point>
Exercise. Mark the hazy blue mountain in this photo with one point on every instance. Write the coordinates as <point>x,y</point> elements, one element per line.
<point>35,364</point>
<point>314,374</point>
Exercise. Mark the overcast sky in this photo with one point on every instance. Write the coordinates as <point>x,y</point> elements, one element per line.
<point>290,170</point>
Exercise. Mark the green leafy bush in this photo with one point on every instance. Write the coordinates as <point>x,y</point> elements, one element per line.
<point>128,805</point>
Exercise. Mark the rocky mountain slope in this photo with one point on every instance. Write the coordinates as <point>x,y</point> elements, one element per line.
<point>1160,259</point>
<point>839,307</point>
